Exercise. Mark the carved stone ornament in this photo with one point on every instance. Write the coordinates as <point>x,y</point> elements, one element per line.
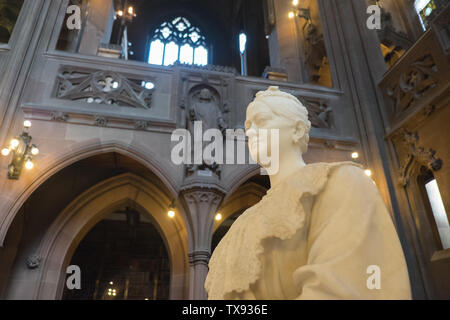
<point>142,125</point>
<point>103,87</point>
<point>100,121</point>
<point>417,154</point>
<point>414,83</point>
<point>319,112</point>
<point>59,116</point>
<point>33,261</point>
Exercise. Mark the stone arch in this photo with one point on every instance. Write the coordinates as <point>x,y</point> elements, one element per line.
<point>244,197</point>
<point>50,165</point>
<point>239,177</point>
<point>77,219</point>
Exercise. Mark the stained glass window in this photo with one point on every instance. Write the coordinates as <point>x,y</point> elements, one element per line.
<point>178,40</point>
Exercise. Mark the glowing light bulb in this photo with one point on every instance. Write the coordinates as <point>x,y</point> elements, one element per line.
<point>120,13</point>
<point>29,165</point>
<point>295,2</point>
<point>14,143</point>
<point>130,10</point>
<point>368,172</point>
<point>291,15</point>
<point>171,213</point>
<point>149,85</point>
<point>355,155</point>
<point>34,151</point>
<point>5,152</point>
<point>27,123</point>
<point>218,217</point>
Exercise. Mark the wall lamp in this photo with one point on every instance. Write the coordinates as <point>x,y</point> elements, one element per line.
<point>22,152</point>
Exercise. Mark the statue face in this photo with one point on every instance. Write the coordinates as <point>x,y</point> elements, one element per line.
<point>261,146</point>
<point>205,94</point>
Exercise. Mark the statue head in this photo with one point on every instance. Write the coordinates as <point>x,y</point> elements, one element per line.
<point>274,109</point>
<point>205,94</point>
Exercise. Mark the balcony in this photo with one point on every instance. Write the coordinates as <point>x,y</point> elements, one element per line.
<point>418,83</point>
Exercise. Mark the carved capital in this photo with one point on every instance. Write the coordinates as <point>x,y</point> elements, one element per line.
<point>198,197</point>
<point>202,205</point>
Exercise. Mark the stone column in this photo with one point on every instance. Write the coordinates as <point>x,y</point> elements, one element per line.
<point>97,27</point>
<point>288,43</point>
<point>202,203</point>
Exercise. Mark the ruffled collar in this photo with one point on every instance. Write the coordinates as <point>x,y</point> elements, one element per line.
<point>235,263</point>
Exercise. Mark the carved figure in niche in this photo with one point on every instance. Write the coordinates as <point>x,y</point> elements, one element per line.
<point>204,107</point>
<point>322,231</point>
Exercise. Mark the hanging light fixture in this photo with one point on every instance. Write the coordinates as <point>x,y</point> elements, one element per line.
<point>22,151</point>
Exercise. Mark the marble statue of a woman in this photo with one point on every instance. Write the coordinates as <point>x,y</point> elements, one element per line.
<point>321,232</point>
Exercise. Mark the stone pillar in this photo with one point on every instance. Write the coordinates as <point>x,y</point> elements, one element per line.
<point>95,28</point>
<point>198,261</point>
<point>288,43</point>
<point>202,202</point>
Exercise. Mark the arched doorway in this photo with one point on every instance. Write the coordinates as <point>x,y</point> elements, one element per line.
<point>122,258</point>
<point>57,217</point>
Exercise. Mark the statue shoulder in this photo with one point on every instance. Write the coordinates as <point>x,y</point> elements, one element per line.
<point>349,170</point>
<point>350,176</point>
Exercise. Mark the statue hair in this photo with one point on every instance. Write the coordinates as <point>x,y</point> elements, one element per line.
<point>291,109</point>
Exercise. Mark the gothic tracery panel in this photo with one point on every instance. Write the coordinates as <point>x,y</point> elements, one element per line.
<point>414,83</point>
<point>104,87</point>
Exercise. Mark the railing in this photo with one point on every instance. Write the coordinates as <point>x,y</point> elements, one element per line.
<point>99,91</point>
